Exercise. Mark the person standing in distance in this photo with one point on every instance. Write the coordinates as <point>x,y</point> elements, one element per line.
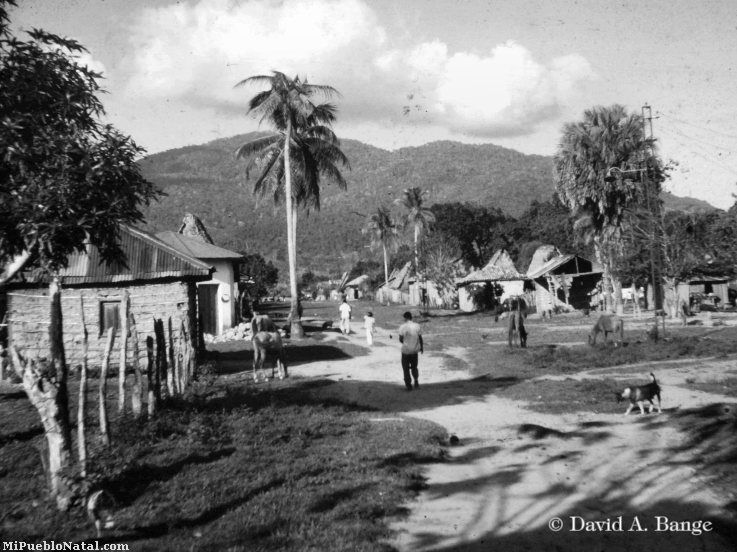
<point>345,317</point>
<point>410,337</point>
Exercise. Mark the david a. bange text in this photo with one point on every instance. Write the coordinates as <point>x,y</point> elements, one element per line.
<point>637,523</point>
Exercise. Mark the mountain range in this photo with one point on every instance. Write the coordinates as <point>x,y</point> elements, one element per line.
<point>208,181</point>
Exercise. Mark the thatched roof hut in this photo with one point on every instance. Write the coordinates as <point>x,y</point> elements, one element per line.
<point>499,269</point>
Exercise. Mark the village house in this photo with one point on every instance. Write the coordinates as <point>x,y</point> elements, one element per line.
<point>161,283</point>
<point>499,270</point>
<point>217,298</point>
<point>564,281</point>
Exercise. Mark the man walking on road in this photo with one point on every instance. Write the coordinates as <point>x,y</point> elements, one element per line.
<point>345,317</point>
<point>410,337</point>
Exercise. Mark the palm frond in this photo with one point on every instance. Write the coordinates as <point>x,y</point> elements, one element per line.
<point>256,146</point>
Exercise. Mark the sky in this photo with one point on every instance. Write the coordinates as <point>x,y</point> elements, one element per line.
<point>508,72</point>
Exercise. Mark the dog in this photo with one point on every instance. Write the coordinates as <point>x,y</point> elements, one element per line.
<point>639,395</point>
<point>100,505</point>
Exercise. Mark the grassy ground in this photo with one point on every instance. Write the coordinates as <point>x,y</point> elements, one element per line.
<point>272,468</point>
<point>230,469</point>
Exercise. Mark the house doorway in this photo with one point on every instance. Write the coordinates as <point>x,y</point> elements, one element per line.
<point>207,301</point>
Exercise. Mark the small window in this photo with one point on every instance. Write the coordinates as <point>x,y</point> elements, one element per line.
<point>109,316</point>
<point>708,288</point>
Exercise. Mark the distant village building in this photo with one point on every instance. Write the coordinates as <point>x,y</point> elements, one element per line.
<point>218,297</point>
<point>563,281</point>
<point>713,290</point>
<point>396,290</point>
<point>160,280</point>
<point>499,270</point>
<point>357,288</point>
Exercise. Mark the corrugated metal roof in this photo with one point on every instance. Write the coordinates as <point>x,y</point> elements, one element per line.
<point>147,258</point>
<point>196,248</point>
<point>558,261</point>
<point>499,268</point>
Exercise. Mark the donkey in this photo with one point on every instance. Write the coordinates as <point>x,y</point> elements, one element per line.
<point>262,343</point>
<point>516,324</point>
<point>607,324</point>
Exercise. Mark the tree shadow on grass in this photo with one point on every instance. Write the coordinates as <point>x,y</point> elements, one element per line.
<point>155,530</point>
<point>297,354</point>
<point>133,482</point>
<point>393,397</point>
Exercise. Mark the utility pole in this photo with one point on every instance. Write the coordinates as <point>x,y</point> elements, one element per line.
<point>653,212</point>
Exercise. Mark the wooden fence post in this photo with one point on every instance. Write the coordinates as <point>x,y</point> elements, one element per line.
<point>136,394</point>
<point>172,366</point>
<point>160,357</point>
<point>81,410</point>
<point>123,350</point>
<point>102,390</point>
<point>153,396</point>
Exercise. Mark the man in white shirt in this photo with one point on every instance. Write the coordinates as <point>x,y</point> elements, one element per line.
<point>345,317</point>
<point>410,337</point>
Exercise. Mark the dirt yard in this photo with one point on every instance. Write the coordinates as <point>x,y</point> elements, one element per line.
<point>518,470</point>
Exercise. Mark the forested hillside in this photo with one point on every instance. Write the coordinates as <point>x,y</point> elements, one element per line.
<point>209,181</point>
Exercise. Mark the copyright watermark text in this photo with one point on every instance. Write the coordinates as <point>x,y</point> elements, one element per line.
<point>622,524</point>
<point>64,545</point>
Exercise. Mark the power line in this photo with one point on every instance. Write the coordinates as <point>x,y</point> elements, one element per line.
<point>701,140</point>
<point>690,148</point>
<point>697,126</point>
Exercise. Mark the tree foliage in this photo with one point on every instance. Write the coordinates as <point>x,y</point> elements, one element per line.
<point>260,275</point>
<point>65,177</point>
<point>606,138</point>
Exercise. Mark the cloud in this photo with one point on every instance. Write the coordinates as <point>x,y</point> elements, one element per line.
<point>195,53</point>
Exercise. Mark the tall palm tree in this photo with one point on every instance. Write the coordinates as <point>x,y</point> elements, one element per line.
<point>606,137</point>
<point>384,231</point>
<point>417,215</point>
<point>292,161</point>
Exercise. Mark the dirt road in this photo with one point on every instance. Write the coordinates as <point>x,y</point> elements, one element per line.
<point>516,469</point>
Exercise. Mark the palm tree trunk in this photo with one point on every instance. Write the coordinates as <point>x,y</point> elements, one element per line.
<point>296,326</point>
<point>417,253</point>
<point>386,264</point>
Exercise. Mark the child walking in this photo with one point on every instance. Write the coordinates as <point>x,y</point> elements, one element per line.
<point>369,322</point>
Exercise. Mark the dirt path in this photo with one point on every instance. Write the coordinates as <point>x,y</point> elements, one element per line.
<point>517,469</point>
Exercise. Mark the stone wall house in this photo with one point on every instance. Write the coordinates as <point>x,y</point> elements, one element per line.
<point>161,283</point>
<point>217,297</point>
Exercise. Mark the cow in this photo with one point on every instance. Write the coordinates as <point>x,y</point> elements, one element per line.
<point>263,342</point>
<point>607,324</point>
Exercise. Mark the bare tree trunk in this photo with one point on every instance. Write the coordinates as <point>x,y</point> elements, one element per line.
<point>82,407</point>
<point>670,302</point>
<point>618,301</point>
<point>45,385</point>
<point>136,394</point>
<point>102,389</point>
<point>150,369</point>
<point>123,351</point>
<point>635,297</point>
<point>15,266</point>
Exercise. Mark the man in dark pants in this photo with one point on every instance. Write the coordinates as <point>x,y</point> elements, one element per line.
<point>410,337</point>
